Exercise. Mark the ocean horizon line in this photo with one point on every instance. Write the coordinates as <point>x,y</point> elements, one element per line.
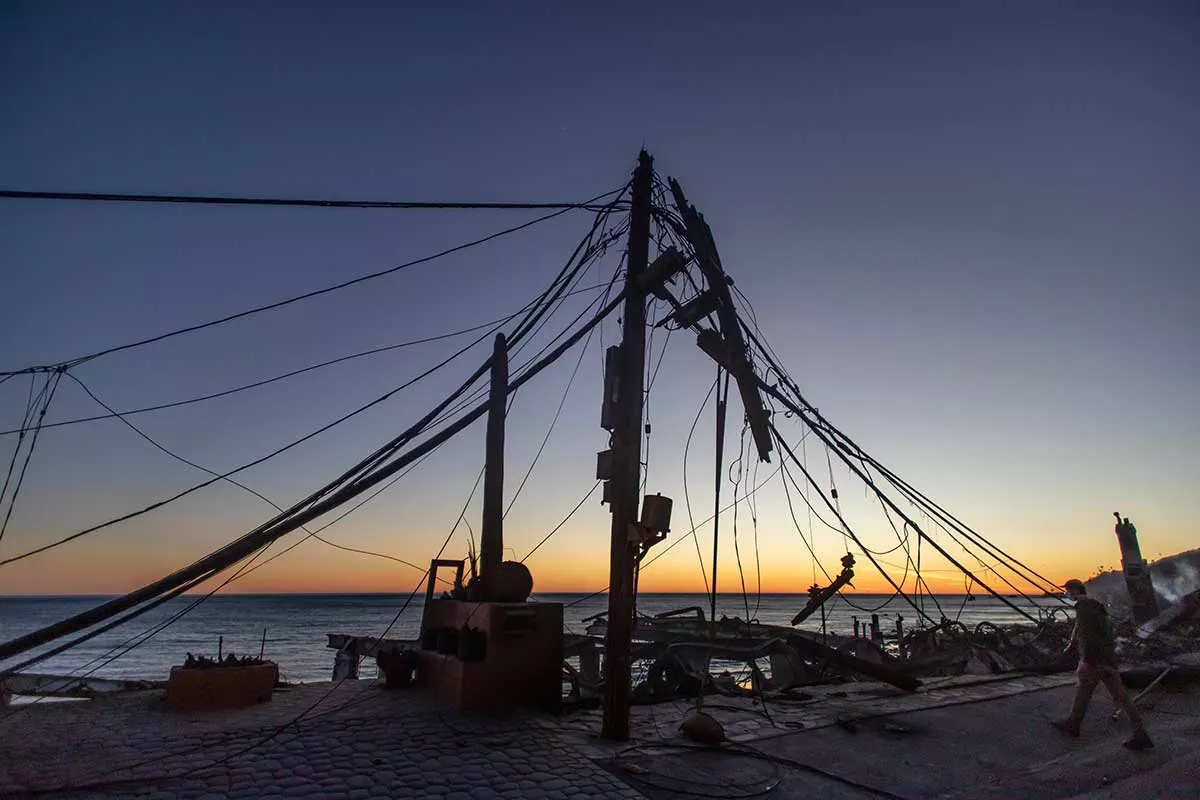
<point>91,595</point>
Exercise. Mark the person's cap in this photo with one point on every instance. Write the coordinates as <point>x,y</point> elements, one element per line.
<point>1075,585</point>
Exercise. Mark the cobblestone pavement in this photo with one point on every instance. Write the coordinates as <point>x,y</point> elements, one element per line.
<point>359,742</point>
<point>356,740</point>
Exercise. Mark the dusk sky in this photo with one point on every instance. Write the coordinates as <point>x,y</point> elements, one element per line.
<point>970,230</point>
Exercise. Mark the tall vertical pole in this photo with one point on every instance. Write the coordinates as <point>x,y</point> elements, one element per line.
<point>627,462</point>
<point>722,401</point>
<point>491,537</point>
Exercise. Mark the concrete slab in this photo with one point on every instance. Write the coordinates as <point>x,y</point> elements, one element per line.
<point>999,748</point>
<point>1178,779</point>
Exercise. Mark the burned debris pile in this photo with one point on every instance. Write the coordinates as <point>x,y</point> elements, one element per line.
<point>681,654</point>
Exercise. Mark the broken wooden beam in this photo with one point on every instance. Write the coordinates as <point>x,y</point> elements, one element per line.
<point>29,684</point>
<point>813,649</point>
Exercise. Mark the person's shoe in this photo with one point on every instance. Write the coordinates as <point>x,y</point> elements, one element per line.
<point>1067,727</point>
<point>1139,741</point>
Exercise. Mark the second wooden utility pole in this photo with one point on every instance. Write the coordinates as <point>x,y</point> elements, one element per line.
<point>627,461</point>
<point>491,536</point>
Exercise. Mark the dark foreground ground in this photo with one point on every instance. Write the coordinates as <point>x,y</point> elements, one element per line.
<point>1000,748</point>
<point>965,738</point>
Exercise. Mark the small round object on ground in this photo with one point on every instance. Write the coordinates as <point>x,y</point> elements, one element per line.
<point>703,729</point>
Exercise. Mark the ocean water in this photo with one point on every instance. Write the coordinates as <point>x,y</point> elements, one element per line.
<point>295,626</point>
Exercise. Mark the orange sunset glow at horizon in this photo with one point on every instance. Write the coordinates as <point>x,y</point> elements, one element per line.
<point>319,570</point>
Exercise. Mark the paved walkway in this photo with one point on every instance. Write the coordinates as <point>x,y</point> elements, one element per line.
<point>1177,779</point>
<point>745,719</point>
<point>985,745</point>
<point>958,738</point>
<point>356,741</point>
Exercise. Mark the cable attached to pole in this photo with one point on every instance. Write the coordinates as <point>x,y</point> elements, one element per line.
<point>226,200</point>
<point>718,471</point>
<point>491,326</point>
<point>316,292</point>
<point>303,512</point>
<point>47,396</point>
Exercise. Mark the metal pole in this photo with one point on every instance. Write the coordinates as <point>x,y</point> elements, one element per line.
<point>722,399</point>
<point>491,537</point>
<point>627,455</point>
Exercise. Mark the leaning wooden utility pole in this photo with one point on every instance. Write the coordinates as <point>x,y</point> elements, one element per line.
<point>627,461</point>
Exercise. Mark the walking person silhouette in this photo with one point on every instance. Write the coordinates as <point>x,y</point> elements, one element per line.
<point>1097,664</point>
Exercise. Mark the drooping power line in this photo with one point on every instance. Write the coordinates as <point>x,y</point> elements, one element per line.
<point>308,295</point>
<point>299,371</point>
<point>306,510</point>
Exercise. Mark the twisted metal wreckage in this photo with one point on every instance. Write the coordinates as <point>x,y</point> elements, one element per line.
<point>681,647</point>
<point>483,636</point>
